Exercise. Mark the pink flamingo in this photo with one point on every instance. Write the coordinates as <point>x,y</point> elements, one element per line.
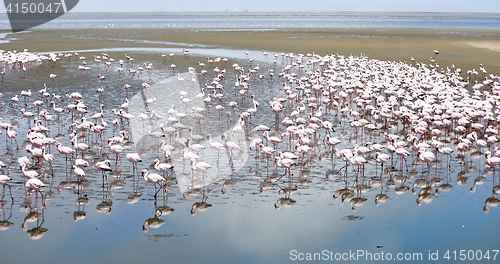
<point>116,149</point>
<point>402,153</point>
<point>4,179</point>
<point>216,145</point>
<point>28,174</point>
<point>286,163</point>
<point>104,166</point>
<point>200,166</point>
<point>491,161</point>
<point>35,185</point>
<point>65,151</point>
<point>268,151</point>
<point>230,146</point>
<point>303,149</point>
<point>134,158</point>
<point>382,158</point>
<point>162,167</point>
<point>154,179</point>
<point>446,151</point>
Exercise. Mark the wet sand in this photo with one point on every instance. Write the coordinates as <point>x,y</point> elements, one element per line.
<point>466,49</point>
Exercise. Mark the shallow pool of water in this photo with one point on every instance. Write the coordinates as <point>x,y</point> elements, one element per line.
<point>242,210</point>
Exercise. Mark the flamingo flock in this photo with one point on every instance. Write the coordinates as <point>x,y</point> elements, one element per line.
<point>411,118</point>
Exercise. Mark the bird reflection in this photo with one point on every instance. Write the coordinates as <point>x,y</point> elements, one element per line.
<point>80,214</point>
<point>381,197</point>
<point>425,195</point>
<point>153,222</point>
<point>156,222</point>
<point>105,205</point>
<point>490,202</point>
<point>477,181</point>
<point>286,191</point>
<point>164,209</point>
<point>357,202</point>
<point>5,223</point>
<point>231,182</point>
<point>402,180</point>
<point>267,184</point>
<point>200,206</point>
<point>135,196</point>
<point>38,231</point>
<point>493,200</point>
<point>284,202</point>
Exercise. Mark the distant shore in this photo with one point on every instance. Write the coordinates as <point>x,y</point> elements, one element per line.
<point>463,48</point>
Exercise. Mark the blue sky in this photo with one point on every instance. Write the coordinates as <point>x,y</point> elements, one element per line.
<point>488,6</point>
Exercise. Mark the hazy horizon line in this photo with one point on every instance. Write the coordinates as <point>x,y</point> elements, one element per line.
<point>279,12</point>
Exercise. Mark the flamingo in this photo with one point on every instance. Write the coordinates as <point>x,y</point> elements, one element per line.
<point>491,161</point>
<point>4,179</point>
<point>103,166</point>
<point>303,149</point>
<point>402,153</point>
<point>446,151</point>
<point>216,145</point>
<point>28,174</point>
<point>427,157</point>
<point>382,158</point>
<point>200,166</point>
<point>11,134</point>
<point>35,185</point>
<point>65,151</point>
<point>116,149</point>
<point>154,179</point>
<point>273,140</point>
<point>230,146</point>
<point>357,160</point>
<point>286,163</point>
<point>79,146</point>
<point>162,167</point>
<point>134,158</point>
<point>52,76</point>
<point>268,151</point>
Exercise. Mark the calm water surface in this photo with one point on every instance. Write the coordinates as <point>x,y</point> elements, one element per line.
<point>272,20</point>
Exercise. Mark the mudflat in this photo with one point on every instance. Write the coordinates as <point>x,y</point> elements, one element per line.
<point>467,49</point>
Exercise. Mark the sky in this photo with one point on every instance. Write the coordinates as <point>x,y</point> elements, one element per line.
<point>484,6</point>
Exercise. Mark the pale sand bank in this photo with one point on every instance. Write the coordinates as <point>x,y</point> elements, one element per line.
<point>490,45</point>
<point>466,49</point>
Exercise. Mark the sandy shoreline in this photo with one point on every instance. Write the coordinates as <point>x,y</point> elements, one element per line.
<point>464,48</point>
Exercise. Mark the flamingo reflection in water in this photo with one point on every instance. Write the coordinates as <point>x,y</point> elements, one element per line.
<point>105,205</point>
<point>164,209</point>
<point>200,206</point>
<point>156,222</point>
<point>286,191</point>
<point>492,201</point>
<point>135,196</point>
<point>5,223</point>
<point>80,214</point>
<point>38,231</point>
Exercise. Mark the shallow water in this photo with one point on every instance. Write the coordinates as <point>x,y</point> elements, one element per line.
<point>240,212</point>
<point>269,20</point>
